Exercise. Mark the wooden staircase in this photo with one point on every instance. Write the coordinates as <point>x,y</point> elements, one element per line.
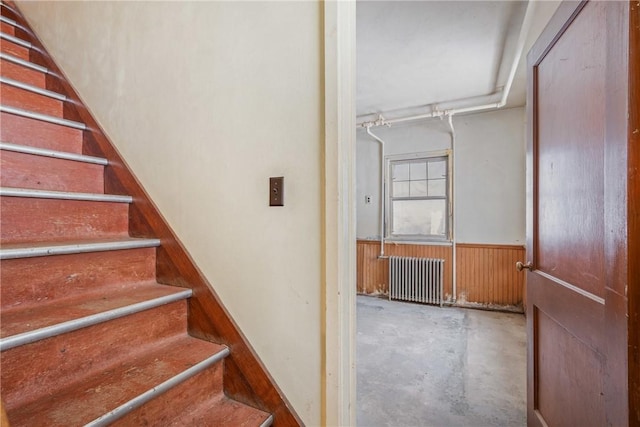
<point>88,336</point>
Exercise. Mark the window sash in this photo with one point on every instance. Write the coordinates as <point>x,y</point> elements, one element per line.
<point>391,198</point>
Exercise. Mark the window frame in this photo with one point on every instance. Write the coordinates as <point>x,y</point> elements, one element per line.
<point>395,158</point>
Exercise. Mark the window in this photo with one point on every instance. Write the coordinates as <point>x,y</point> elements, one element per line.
<point>418,197</point>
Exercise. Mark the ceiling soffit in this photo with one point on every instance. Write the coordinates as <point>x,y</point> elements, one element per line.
<point>412,55</point>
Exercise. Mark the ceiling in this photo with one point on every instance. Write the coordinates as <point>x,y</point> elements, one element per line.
<point>413,54</point>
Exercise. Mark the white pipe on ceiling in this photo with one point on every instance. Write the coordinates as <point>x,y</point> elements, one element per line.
<point>522,38</point>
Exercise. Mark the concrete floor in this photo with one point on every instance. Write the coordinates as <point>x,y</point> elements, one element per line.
<point>421,365</point>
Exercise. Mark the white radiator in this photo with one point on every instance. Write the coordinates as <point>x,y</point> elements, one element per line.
<point>416,279</point>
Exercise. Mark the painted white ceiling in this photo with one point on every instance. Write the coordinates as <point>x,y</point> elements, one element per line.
<point>412,54</point>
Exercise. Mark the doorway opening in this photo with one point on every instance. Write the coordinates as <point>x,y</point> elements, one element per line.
<point>440,175</point>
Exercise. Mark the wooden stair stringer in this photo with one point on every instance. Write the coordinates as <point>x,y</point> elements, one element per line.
<point>246,379</point>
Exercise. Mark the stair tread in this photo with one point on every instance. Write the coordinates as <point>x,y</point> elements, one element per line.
<point>79,404</point>
<point>24,170</point>
<point>16,60</point>
<point>11,22</point>
<point>31,88</point>
<point>222,411</point>
<point>27,149</point>
<point>42,117</point>
<point>4,8</point>
<point>19,129</point>
<point>71,243</point>
<point>18,319</point>
<point>31,98</point>
<point>63,195</point>
<point>7,20</point>
<point>17,40</point>
<point>72,246</point>
<point>59,277</point>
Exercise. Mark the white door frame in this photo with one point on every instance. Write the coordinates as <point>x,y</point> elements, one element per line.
<point>339,223</point>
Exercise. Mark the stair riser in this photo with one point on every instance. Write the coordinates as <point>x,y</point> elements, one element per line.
<point>7,29</point>
<point>189,394</point>
<point>43,368</point>
<point>23,74</point>
<point>47,173</point>
<point>36,133</point>
<point>30,101</point>
<point>14,49</point>
<point>222,411</point>
<point>44,220</point>
<point>27,281</point>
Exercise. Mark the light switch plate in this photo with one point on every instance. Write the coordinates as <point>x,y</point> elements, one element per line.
<point>276,191</point>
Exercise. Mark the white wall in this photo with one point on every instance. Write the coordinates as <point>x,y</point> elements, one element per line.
<point>489,177</point>
<point>206,101</point>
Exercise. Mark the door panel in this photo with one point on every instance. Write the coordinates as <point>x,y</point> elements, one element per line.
<point>571,122</point>
<point>562,361</point>
<point>569,303</point>
<point>583,316</point>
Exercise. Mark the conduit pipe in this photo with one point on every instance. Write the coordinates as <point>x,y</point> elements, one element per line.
<point>382,192</point>
<point>451,201</point>
<point>504,91</point>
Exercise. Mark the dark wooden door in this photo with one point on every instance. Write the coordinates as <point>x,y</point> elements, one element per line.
<point>577,246</point>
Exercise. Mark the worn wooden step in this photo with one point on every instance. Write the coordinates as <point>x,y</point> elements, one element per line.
<point>26,282</point>
<point>14,46</point>
<point>196,403</point>
<point>36,133</point>
<point>120,386</point>
<point>8,11</point>
<point>23,71</point>
<point>42,216</point>
<point>12,20</point>
<point>30,250</point>
<point>222,411</point>
<point>73,356</point>
<point>24,170</point>
<point>8,25</point>
<point>42,117</point>
<point>23,325</point>
<point>15,93</point>
<point>53,153</point>
<point>182,398</point>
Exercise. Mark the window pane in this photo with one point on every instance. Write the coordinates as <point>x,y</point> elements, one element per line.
<point>412,217</point>
<point>418,171</point>
<point>437,187</point>
<point>401,189</point>
<point>400,172</point>
<point>438,169</point>
<point>418,188</point>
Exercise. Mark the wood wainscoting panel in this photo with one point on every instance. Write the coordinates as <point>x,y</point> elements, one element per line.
<point>486,274</point>
<point>373,273</point>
